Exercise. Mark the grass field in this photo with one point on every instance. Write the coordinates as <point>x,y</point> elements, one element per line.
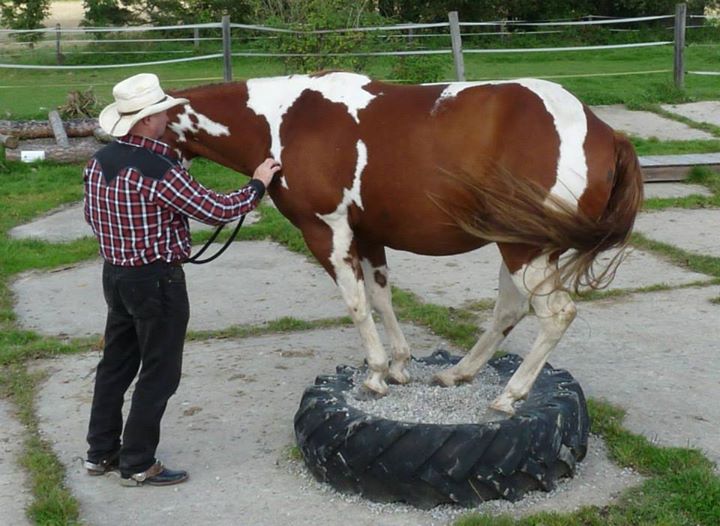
<point>596,77</point>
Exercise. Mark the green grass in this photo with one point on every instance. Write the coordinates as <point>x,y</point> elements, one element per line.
<point>596,77</point>
<point>698,263</point>
<point>681,489</point>
<point>657,147</point>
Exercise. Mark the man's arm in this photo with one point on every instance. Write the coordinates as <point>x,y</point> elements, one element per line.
<point>184,194</point>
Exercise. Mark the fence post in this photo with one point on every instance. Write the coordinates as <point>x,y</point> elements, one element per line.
<point>679,66</point>
<point>58,53</point>
<point>456,45</point>
<point>227,57</point>
<point>196,37</point>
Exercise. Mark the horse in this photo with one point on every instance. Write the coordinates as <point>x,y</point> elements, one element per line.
<point>437,170</point>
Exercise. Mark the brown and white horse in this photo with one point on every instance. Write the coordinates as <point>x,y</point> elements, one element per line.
<point>438,170</point>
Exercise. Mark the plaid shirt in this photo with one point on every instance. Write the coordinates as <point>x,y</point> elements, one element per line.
<point>139,220</point>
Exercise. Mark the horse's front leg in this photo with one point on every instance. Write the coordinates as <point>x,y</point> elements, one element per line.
<point>337,251</point>
<point>377,286</point>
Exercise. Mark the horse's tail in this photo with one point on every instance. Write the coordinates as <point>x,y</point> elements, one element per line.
<point>510,209</point>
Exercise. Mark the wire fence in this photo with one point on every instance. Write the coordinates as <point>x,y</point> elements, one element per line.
<point>224,40</point>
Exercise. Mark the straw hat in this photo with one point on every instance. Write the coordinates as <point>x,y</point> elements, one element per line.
<point>135,97</point>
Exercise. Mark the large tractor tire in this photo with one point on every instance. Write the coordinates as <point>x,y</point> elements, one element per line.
<point>430,464</point>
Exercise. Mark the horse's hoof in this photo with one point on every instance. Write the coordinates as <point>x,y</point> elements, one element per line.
<point>378,388</point>
<point>503,404</point>
<point>400,377</point>
<point>443,379</point>
<point>363,394</point>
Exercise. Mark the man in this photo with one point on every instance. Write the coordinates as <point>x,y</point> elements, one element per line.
<point>137,200</point>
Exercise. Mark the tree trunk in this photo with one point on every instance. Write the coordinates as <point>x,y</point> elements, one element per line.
<point>9,141</point>
<point>58,130</point>
<point>77,153</point>
<point>40,129</point>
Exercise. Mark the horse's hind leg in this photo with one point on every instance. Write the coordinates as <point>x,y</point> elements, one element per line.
<point>555,311</point>
<point>377,286</point>
<point>511,306</point>
<point>336,250</point>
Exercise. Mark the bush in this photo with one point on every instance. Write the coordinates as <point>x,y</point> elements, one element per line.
<point>312,15</point>
<point>416,69</point>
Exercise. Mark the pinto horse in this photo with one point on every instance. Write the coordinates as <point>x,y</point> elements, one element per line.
<point>430,169</point>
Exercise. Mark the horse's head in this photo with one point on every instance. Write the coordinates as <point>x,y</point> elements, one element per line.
<point>218,125</point>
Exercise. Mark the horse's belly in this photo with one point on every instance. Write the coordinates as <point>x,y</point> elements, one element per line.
<point>431,238</point>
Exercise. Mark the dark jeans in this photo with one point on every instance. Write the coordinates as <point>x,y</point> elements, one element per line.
<point>148,312</point>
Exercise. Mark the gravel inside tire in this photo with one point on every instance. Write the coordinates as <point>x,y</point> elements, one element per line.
<point>427,465</point>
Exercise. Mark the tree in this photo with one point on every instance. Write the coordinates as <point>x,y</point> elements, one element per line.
<point>164,12</point>
<point>23,15</point>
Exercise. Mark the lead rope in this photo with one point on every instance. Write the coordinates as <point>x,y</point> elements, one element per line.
<point>195,259</point>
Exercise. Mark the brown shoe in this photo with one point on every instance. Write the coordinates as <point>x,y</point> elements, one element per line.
<point>103,466</point>
<point>155,475</point>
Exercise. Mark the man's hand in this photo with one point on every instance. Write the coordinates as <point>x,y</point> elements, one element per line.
<point>266,171</point>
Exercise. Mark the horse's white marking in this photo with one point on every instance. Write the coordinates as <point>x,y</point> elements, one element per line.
<point>200,123</point>
<point>338,220</point>
<point>381,300</point>
<point>272,97</point>
<point>352,288</point>
<point>570,123</point>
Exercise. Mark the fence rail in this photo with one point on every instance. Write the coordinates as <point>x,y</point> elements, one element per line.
<point>453,26</point>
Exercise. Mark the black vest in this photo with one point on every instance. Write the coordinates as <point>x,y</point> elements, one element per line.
<point>116,156</point>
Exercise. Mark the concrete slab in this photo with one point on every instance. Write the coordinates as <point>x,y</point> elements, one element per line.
<point>253,282</point>
<point>692,230</point>
<point>646,124</point>
<point>706,111</point>
<point>654,354</point>
<point>67,223</point>
<point>455,281</point>
<point>14,493</point>
<point>667,190</point>
<point>230,425</point>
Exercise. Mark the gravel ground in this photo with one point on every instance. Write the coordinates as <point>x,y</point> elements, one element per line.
<point>596,479</point>
<point>420,401</point>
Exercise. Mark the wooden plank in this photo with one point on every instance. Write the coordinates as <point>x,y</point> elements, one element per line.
<point>671,173</point>
<point>680,160</point>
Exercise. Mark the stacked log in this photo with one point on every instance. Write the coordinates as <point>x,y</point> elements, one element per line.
<point>52,140</point>
<point>40,129</point>
<point>80,150</point>
<point>9,141</point>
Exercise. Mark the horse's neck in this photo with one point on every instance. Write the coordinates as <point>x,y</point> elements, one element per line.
<point>219,126</point>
